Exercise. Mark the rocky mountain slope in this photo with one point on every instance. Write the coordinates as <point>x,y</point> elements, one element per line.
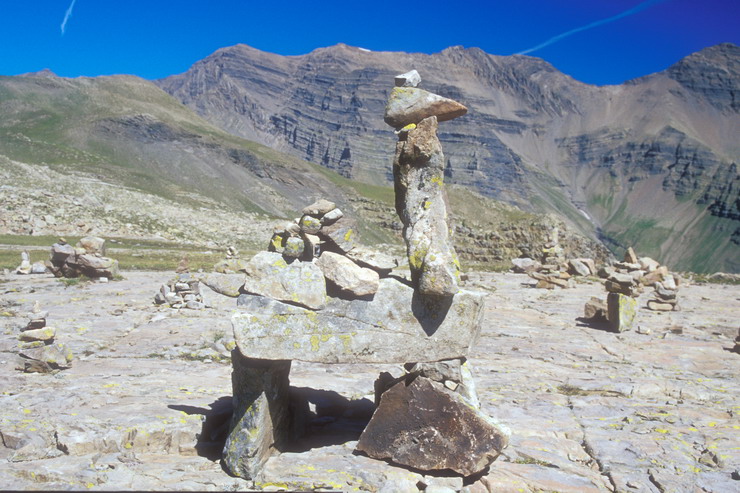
<point>652,162</point>
<point>117,156</point>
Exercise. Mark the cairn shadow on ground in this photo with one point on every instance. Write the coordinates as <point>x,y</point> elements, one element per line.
<point>326,417</point>
<point>594,323</point>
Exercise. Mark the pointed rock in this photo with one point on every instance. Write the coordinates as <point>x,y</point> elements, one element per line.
<point>411,105</point>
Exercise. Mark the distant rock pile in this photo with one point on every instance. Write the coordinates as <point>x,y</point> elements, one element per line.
<point>318,296</point>
<point>181,292</point>
<point>554,271</point>
<point>85,259</point>
<point>624,282</point>
<point>37,351</point>
<point>231,264</point>
<point>665,297</point>
<point>27,268</point>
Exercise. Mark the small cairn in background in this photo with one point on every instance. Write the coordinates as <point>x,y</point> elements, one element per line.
<point>37,351</point>
<point>27,267</point>
<point>87,258</point>
<point>181,292</point>
<point>665,295</point>
<point>232,263</point>
<point>554,270</point>
<point>737,342</point>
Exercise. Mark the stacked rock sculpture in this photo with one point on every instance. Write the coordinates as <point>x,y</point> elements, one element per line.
<point>27,267</point>
<point>181,292</point>
<point>309,299</point>
<point>38,353</point>
<point>665,295</point>
<point>85,259</point>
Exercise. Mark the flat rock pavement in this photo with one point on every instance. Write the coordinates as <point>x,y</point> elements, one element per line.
<point>147,399</point>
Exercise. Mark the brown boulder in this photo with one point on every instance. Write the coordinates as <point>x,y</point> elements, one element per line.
<point>425,426</point>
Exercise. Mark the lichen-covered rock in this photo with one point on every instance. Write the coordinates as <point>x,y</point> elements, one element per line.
<point>425,426</point>
<point>396,326</point>
<point>225,284</point>
<point>341,236</point>
<point>230,265</point>
<point>346,275</point>
<point>45,358</point>
<point>411,105</point>
<point>622,311</point>
<point>42,334</point>
<point>421,203</point>
<point>293,247</point>
<point>261,421</point>
<point>302,283</point>
<point>310,224</point>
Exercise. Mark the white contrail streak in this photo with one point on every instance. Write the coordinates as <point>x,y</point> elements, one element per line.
<point>626,13</point>
<point>67,15</point>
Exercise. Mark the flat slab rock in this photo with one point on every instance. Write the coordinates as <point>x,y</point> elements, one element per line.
<point>396,326</point>
<point>425,426</point>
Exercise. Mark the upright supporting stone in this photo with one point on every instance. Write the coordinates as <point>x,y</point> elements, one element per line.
<point>421,203</point>
<point>622,311</point>
<point>261,422</point>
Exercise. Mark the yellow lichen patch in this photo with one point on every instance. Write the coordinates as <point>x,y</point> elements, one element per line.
<point>82,330</point>
<point>296,345</point>
<point>427,205</point>
<point>348,235</point>
<point>346,342</point>
<point>110,385</point>
<point>437,180</point>
<point>661,430</point>
<point>314,343</point>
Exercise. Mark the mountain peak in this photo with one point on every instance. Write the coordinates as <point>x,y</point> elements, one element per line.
<point>713,72</point>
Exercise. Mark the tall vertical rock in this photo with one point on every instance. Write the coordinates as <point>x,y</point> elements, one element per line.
<point>421,199</point>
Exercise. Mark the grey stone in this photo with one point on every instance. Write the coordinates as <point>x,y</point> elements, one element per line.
<point>225,284</point>
<point>349,277</point>
<point>95,266</point>
<point>425,426</point>
<point>341,236</point>
<point>412,105</point>
<point>577,267</point>
<point>622,311</point>
<point>39,268</point>
<point>54,355</point>
<point>421,203</point>
<point>261,422</point>
<point>194,305</point>
<point>595,310</point>
<point>525,265</point>
<point>302,283</point>
<point>43,334</point>
<point>409,79</point>
<point>230,265</point>
<point>648,264</point>
<point>293,247</point>
<point>319,208</point>
<point>660,306</point>
<point>331,217</point>
<point>456,374</point>
<point>92,245</point>
<point>396,326</point>
<point>380,262</point>
<point>310,224</point>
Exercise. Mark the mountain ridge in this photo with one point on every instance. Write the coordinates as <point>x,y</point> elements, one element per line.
<point>533,137</point>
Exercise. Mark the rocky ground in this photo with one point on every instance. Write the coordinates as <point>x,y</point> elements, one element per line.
<point>146,402</point>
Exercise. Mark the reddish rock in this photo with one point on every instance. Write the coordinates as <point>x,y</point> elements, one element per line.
<point>427,427</point>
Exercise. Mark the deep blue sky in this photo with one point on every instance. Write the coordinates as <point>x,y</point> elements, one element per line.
<point>154,38</point>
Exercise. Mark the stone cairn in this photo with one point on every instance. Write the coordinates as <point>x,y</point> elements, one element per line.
<point>232,263</point>
<point>318,296</point>
<point>554,271</point>
<point>624,282</point>
<point>181,292</point>
<point>84,259</point>
<point>665,293</point>
<point>38,353</point>
<point>27,268</point>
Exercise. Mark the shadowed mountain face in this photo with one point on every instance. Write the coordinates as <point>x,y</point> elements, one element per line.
<point>650,163</point>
